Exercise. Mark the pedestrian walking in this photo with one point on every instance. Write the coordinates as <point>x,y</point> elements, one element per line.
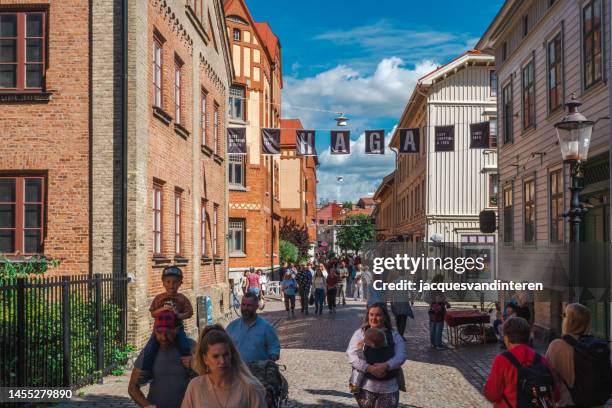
<point>304,280</point>
<point>170,373</point>
<point>263,280</point>
<point>332,290</point>
<point>383,381</point>
<point>437,310</point>
<point>254,337</point>
<point>289,289</point>
<point>401,308</point>
<point>254,284</point>
<point>357,285</point>
<point>582,362</point>
<point>319,287</point>
<point>520,375</point>
<point>224,380</point>
<point>343,274</point>
<point>244,282</point>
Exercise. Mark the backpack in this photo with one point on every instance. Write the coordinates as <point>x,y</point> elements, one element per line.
<point>592,372</point>
<point>275,384</point>
<point>534,388</point>
<point>437,311</point>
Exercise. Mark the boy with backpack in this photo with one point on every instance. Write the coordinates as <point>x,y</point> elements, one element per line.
<point>581,361</point>
<point>520,377</point>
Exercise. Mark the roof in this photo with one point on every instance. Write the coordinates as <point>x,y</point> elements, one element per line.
<point>366,201</point>
<point>288,128</point>
<point>331,211</point>
<point>453,65</point>
<point>271,43</point>
<point>384,184</point>
<point>501,20</point>
<point>357,211</point>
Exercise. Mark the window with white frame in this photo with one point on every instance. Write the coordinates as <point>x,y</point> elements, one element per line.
<point>236,170</point>
<point>236,236</point>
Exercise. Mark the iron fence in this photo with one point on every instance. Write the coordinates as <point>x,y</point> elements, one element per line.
<point>60,331</point>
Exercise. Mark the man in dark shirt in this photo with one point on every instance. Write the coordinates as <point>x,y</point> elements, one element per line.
<point>304,280</point>
<point>170,370</point>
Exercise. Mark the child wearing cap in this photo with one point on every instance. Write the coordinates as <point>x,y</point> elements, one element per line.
<point>170,300</point>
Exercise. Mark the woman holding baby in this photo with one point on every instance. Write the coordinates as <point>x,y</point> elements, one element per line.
<point>376,354</point>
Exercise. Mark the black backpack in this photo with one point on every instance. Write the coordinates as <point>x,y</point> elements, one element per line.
<point>534,388</point>
<point>592,372</point>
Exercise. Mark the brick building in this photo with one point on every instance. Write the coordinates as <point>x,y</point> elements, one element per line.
<point>111,173</point>
<point>255,99</point>
<point>298,180</point>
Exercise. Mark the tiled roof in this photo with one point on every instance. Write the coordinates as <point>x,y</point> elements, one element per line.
<point>288,127</point>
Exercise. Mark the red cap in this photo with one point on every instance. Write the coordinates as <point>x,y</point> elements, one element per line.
<point>165,320</point>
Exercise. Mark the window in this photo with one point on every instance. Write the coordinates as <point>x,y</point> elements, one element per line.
<point>236,236</point>
<point>216,129</point>
<point>493,133</point>
<point>236,34</point>
<point>236,101</point>
<point>508,215</point>
<point>321,222</point>
<point>330,222</point>
<point>493,190</point>
<point>215,226</point>
<point>203,109</point>
<point>306,207</point>
<point>236,170</point>
<point>528,96</point>
<point>22,215</point>
<point>592,43</point>
<point>177,92</point>
<point>157,73</point>
<point>22,51</point>
<point>529,208</point>
<point>203,220</point>
<point>157,221</point>
<point>177,223</point>
<point>525,25</point>
<point>492,83</point>
<point>504,51</point>
<point>556,206</point>
<point>507,112</point>
<point>555,84</point>
<point>306,185</point>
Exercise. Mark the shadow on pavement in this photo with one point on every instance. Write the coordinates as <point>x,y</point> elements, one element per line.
<point>329,392</point>
<point>99,400</point>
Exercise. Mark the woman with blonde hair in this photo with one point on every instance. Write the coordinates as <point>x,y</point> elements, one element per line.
<point>561,356</point>
<point>224,380</point>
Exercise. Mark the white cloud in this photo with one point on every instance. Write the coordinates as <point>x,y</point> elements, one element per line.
<point>383,94</point>
<point>367,100</point>
<point>361,172</point>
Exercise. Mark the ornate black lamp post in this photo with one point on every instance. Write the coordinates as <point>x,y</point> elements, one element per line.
<point>574,133</point>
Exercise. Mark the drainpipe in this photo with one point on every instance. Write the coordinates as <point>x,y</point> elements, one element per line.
<point>124,134</point>
<point>610,186</point>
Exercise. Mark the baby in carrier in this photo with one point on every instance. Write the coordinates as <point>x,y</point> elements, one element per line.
<point>378,347</point>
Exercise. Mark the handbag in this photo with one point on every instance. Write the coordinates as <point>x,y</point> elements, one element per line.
<point>311,299</point>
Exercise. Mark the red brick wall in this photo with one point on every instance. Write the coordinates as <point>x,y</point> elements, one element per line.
<point>53,137</point>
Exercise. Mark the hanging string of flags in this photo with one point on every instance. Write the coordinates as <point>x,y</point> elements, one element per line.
<point>409,140</point>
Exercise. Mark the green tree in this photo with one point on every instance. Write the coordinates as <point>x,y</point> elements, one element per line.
<point>347,204</point>
<point>291,231</point>
<point>356,230</point>
<point>287,251</point>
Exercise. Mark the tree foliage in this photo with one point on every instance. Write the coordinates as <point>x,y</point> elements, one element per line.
<point>287,251</point>
<point>296,234</point>
<point>357,230</point>
<point>347,204</point>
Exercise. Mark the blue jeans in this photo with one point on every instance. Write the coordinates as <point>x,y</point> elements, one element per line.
<point>150,350</point>
<point>435,333</point>
<point>319,295</point>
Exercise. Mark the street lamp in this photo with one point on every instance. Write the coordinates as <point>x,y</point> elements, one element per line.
<point>342,120</point>
<point>574,133</point>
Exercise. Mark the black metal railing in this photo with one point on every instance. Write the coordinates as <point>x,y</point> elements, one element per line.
<point>60,331</point>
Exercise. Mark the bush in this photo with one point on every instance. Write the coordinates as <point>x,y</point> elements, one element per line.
<point>287,251</point>
<point>44,340</point>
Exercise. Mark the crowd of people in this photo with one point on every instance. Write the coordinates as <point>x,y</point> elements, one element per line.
<point>219,370</point>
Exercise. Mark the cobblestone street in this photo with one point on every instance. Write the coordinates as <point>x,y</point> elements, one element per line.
<point>317,369</point>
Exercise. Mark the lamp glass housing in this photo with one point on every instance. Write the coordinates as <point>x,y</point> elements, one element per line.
<point>574,139</point>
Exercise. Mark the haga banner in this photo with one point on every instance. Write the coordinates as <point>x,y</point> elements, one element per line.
<point>479,135</point>
<point>305,142</point>
<point>270,141</point>
<point>236,140</point>
<point>375,141</point>
<point>445,138</point>
<point>409,140</point>
<point>340,142</point>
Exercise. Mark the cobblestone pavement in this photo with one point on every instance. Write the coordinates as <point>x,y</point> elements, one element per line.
<point>313,350</point>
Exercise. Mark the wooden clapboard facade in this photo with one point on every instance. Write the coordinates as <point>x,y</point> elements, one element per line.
<point>440,194</point>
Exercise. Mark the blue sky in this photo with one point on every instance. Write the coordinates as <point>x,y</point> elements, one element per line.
<point>363,58</point>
